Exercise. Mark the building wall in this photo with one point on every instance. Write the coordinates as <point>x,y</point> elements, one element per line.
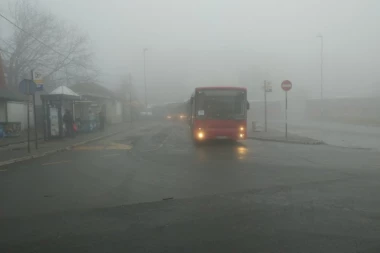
<point>3,111</point>
<point>17,112</point>
<point>114,108</point>
<point>114,112</point>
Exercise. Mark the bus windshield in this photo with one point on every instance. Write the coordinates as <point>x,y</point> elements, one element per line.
<point>220,104</point>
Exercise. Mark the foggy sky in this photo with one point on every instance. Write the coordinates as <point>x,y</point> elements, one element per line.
<point>193,43</point>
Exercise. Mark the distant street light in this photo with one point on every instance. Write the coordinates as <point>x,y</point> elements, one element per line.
<point>146,100</point>
<point>130,97</point>
<point>321,37</point>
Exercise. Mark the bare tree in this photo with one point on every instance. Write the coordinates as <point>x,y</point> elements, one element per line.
<point>2,76</point>
<point>43,41</point>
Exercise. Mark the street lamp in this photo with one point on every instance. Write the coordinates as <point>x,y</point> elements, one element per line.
<point>321,37</point>
<point>146,100</point>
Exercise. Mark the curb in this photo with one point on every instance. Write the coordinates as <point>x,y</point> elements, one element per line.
<point>315,142</point>
<point>18,142</point>
<point>25,158</point>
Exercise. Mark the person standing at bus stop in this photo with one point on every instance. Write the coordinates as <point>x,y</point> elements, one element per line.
<point>68,121</point>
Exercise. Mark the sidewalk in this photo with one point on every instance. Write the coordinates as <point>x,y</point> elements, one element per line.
<point>336,134</point>
<point>19,152</point>
<point>279,136</point>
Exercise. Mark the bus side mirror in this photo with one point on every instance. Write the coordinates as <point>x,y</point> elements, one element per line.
<point>247,105</point>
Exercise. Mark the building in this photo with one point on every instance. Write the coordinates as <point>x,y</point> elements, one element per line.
<point>13,108</point>
<point>95,97</point>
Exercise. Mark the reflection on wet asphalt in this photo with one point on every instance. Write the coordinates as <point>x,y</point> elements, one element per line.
<point>160,162</point>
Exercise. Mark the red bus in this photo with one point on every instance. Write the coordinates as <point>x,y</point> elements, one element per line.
<point>218,113</point>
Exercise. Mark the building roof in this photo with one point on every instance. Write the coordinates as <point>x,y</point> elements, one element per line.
<point>93,90</point>
<point>61,93</point>
<point>63,90</point>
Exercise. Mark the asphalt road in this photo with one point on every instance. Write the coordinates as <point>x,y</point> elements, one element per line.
<point>151,190</point>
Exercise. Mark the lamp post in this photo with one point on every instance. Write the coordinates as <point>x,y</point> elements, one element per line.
<point>130,97</point>
<point>146,100</point>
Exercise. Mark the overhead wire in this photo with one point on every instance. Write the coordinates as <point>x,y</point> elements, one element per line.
<point>31,35</point>
<point>38,40</point>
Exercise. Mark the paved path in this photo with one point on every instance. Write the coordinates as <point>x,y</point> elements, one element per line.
<point>20,150</point>
<point>342,135</point>
<point>279,136</point>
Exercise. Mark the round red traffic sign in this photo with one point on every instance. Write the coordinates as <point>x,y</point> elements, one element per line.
<point>286,85</point>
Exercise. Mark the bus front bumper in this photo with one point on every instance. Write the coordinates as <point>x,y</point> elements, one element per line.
<point>220,134</point>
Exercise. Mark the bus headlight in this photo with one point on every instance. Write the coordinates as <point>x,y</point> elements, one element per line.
<point>241,128</point>
<point>200,135</point>
<point>241,135</point>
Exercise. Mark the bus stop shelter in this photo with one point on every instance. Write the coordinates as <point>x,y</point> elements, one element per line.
<point>54,106</point>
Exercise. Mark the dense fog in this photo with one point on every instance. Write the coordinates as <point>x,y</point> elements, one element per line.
<point>195,43</point>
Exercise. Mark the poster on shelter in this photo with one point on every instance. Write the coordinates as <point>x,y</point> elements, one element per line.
<point>54,122</point>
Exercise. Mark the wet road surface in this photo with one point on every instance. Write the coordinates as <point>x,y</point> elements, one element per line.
<point>152,186</point>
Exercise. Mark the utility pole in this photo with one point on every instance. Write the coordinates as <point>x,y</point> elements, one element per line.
<point>28,114</point>
<point>321,106</point>
<point>265,104</point>
<point>267,88</point>
<point>146,100</point>
<point>34,113</point>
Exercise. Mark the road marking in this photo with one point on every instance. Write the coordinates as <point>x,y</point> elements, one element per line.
<point>65,161</point>
<point>108,146</point>
<point>89,148</point>
<point>111,155</point>
<point>119,146</point>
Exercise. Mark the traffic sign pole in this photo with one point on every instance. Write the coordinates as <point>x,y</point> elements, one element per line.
<point>28,87</point>
<point>286,115</point>
<point>286,86</point>
<point>35,122</point>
